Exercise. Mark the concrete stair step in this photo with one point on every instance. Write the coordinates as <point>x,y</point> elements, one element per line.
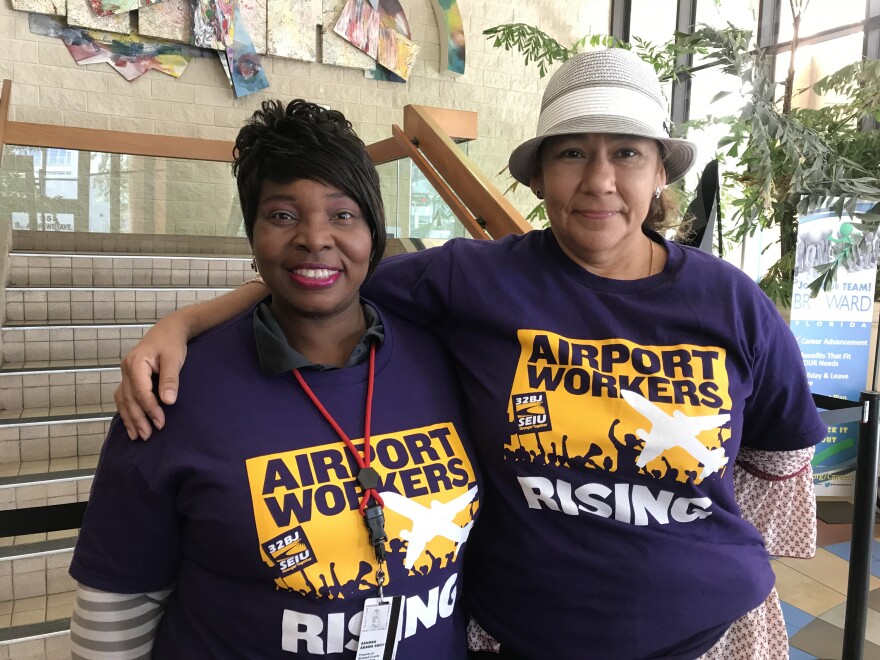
<point>40,269</point>
<point>79,383</point>
<point>41,641</point>
<point>36,435</point>
<point>45,344</point>
<point>70,319</point>
<point>61,305</point>
<point>33,578</point>
<point>36,595</point>
<point>116,243</point>
<point>46,483</point>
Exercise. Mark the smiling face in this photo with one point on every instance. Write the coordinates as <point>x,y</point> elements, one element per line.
<point>597,189</point>
<point>312,245</point>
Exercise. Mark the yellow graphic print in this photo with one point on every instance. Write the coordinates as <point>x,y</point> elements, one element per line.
<point>306,509</point>
<point>613,405</point>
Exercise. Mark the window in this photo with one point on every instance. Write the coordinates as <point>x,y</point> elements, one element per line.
<point>820,15</point>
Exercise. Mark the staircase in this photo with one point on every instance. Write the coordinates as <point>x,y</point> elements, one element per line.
<point>71,314</point>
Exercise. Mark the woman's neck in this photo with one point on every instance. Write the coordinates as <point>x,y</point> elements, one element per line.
<point>324,340</point>
<point>639,258</point>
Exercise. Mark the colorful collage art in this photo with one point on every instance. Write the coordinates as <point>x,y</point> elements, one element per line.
<point>108,7</point>
<point>130,56</point>
<point>243,63</point>
<point>215,24</point>
<point>169,33</point>
<point>380,29</point>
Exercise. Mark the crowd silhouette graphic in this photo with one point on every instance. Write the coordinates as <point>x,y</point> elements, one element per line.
<point>627,451</point>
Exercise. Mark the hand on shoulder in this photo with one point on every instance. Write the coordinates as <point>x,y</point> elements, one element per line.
<point>161,351</point>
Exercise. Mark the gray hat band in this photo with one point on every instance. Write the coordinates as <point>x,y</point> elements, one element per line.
<point>631,106</point>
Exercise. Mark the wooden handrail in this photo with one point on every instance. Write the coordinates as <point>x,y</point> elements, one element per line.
<point>474,189</point>
<point>5,93</point>
<point>385,151</point>
<point>452,201</point>
<point>117,142</point>
<point>457,124</point>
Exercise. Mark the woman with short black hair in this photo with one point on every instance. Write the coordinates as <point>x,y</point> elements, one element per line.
<point>313,489</point>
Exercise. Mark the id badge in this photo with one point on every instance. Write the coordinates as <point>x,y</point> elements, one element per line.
<point>379,627</point>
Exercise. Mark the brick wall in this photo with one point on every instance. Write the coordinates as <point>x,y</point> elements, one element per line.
<point>48,87</point>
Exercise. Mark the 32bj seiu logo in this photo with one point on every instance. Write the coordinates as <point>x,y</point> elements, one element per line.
<point>290,551</point>
<point>531,412</point>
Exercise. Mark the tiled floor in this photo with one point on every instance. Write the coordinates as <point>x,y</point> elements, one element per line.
<point>813,593</point>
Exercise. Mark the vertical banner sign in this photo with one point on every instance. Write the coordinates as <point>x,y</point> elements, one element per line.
<point>834,329</point>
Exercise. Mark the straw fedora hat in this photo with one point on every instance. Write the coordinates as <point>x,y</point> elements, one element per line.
<point>604,91</point>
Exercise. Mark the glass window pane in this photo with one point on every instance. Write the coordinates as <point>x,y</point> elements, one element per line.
<point>742,14</point>
<point>709,84</point>
<point>653,20</point>
<point>413,207</point>
<point>60,190</point>
<point>815,61</point>
<point>63,190</point>
<point>821,15</point>
<point>429,215</point>
<point>394,196</point>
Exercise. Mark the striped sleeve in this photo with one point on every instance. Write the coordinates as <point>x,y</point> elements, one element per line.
<point>111,626</point>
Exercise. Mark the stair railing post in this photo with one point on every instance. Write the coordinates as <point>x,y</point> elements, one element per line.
<point>864,508</point>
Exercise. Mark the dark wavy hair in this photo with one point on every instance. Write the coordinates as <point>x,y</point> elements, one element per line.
<point>664,213</point>
<point>305,141</point>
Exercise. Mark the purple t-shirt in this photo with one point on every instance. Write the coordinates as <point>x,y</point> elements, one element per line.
<point>607,415</point>
<point>247,501</point>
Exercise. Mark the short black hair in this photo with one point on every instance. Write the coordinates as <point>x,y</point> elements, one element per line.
<point>305,141</point>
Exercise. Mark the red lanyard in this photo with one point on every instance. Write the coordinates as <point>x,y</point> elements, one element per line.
<point>366,476</point>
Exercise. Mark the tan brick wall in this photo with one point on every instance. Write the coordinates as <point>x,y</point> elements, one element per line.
<point>49,87</point>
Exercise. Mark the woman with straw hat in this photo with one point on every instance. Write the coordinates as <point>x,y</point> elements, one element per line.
<point>613,379</point>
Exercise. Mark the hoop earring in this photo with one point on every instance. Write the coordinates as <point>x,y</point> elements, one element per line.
<point>254,264</point>
<point>539,193</point>
<point>657,192</point>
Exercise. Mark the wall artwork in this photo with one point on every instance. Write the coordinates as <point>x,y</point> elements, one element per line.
<point>130,56</point>
<point>391,15</point>
<point>245,68</point>
<point>212,22</point>
<point>396,53</point>
<point>107,7</point>
<point>373,30</point>
<point>53,7</point>
<point>335,50</point>
<point>358,24</point>
<point>254,13</point>
<point>378,29</point>
<point>173,20</point>
<point>452,41</point>
<point>292,31</point>
<point>169,19</point>
<point>81,14</point>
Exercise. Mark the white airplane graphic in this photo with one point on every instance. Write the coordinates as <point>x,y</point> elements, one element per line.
<point>429,522</point>
<point>677,430</point>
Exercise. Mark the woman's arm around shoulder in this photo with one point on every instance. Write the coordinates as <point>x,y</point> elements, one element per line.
<point>163,351</point>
